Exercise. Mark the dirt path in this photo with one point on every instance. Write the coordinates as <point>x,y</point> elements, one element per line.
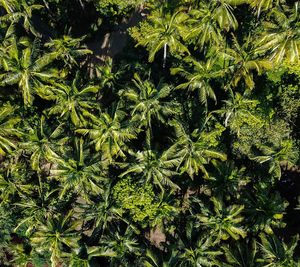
<point>114,42</point>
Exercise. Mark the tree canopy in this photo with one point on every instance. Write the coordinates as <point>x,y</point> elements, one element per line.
<point>149,133</point>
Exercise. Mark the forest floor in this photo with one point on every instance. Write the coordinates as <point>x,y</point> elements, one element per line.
<point>112,43</point>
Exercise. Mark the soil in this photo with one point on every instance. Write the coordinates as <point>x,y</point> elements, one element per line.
<point>109,44</point>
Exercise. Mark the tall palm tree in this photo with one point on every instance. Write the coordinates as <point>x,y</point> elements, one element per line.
<point>244,254</point>
<point>193,151</point>
<point>151,259</point>
<point>280,37</point>
<point>68,49</point>
<point>200,77</point>
<point>276,253</point>
<point>107,75</point>
<point>18,10</point>
<point>34,208</point>
<point>23,257</point>
<point>109,134</point>
<point>55,233</point>
<point>224,15</point>
<point>8,131</point>
<point>208,21</point>
<point>222,222</point>
<point>8,5</point>
<point>264,5</point>
<point>122,243</point>
<point>25,67</point>
<point>82,256</point>
<point>78,172</point>
<point>149,103</point>
<point>283,152</point>
<point>74,101</point>
<point>102,212</point>
<point>204,31</point>
<point>12,181</point>
<point>264,209</point>
<point>163,31</point>
<point>226,180</point>
<point>151,166</point>
<point>203,254</point>
<point>239,110</point>
<point>42,141</point>
<point>243,60</point>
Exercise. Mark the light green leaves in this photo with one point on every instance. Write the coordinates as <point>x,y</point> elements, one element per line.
<point>222,222</point>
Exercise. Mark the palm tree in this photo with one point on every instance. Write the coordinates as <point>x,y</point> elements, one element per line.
<point>25,68</point>
<point>208,20</point>
<point>193,151</point>
<point>78,172</point>
<point>200,77</point>
<point>244,254</point>
<point>264,210</point>
<point>284,152</point>
<point>24,257</point>
<point>72,101</point>
<point>203,30</point>
<point>109,134</point>
<point>102,212</point>
<point>149,103</point>
<point>34,208</point>
<point>264,5</point>
<point>8,130</point>
<point>281,36</point>
<point>243,60</point>
<point>12,181</point>
<point>151,259</point>
<point>222,222</point>
<point>162,31</point>
<point>276,253</point>
<point>106,74</point>
<point>239,110</point>
<point>42,141</point>
<point>8,5</point>
<point>227,180</point>
<point>68,49</point>
<point>224,15</point>
<point>18,10</point>
<point>203,254</point>
<point>55,233</point>
<point>82,256</point>
<point>122,243</point>
<point>151,166</point>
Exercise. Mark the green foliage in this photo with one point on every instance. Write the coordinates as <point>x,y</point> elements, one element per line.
<point>21,66</point>
<point>8,132</point>
<point>161,31</point>
<point>265,210</point>
<point>141,203</point>
<point>177,147</point>
<point>222,222</point>
<point>203,254</point>
<point>112,8</point>
<point>193,151</point>
<point>243,255</point>
<point>53,234</point>
<point>277,253</point>
<point>6,225</point>
<point>290,103</point>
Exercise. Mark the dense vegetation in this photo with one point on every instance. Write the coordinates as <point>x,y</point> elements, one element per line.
<point>181,149</point>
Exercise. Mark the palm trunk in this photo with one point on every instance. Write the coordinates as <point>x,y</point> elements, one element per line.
<point>10,9</point>
<point>165,55</point>
<point>148,137</point>
<point>46,5</point>
<point>82,5</point>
